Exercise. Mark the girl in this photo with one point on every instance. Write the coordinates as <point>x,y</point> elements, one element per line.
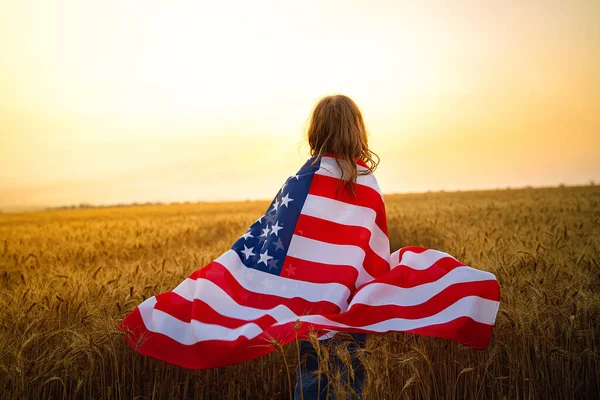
<point>317,260</point>
<point>336,129</point>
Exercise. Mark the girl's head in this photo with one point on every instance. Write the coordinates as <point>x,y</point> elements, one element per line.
<point>336,127</point>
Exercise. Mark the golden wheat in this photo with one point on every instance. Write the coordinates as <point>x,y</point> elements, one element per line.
<point>68,277</point>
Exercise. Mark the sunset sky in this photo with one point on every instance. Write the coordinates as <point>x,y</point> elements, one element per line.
<point>120,101</point>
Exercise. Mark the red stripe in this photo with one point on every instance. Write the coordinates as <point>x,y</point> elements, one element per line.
<point>406,277</point>
<point>464,330</point>
<point>334,233</point>
<point>365,314</point>
<point>315,272</point>
<point>219,275</point>
<point>326,186</point>
<point>207,354</point>
<point>184,310</point>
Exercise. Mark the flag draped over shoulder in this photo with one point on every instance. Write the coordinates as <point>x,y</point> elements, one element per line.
<point>317,260</point>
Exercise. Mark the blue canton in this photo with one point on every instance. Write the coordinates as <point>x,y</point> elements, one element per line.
<point>264,246</point>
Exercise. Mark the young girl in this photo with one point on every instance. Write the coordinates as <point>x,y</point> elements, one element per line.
<point>317,260</point>
<point>336,129</point>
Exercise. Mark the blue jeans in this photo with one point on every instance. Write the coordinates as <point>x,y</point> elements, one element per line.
<point>310,378</point>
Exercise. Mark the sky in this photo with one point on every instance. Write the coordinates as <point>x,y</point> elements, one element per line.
<point>109,102</point>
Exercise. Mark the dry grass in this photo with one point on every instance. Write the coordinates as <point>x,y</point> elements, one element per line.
<point>68,277</point>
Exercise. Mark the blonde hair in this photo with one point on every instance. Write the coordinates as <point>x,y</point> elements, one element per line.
<point>337,128</point>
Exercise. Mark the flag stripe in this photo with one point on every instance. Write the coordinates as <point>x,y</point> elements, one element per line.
<point>477,308</point>
<point>194,331</point>
<point>406,276</point>
<point>395,256</point>
<point>268,284</point>
<point>334,233</point>
<point>220,301</point>
<point>326,186</point>
<point>462,329</point>
<point>367,314</point>
<point>423,260</point>
<point>329,167</point>
<point>212,303</point>
<point>207,354</point>
<point>186,311</point>
<point>309,271</point>
<point>189,289</point>
<point>327,253</point>
<point>380,294</point>
<point>351,215</point>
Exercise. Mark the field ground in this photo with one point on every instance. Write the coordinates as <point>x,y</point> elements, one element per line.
<point>68,277</point>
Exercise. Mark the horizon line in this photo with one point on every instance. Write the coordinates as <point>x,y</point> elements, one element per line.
<point>84,205</point>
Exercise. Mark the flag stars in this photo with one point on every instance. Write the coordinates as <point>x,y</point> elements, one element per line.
<point>265,232</point>
<point>265,244</point>
<point>285,200</point>
<point>270,218</point>
<point>247,252</point>
<point>276,228</point>
<point>265,257</point>
<point>279,244</point>
<point>290,270</point>
<point>272,264</point>
<point>275,206</point>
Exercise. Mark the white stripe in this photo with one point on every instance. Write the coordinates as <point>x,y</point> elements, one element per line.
<point>380,294</point>
<point>328,167</point>
<point>213,295</point>
<point>349,214</point>
<point>192,332</point>
<point>262,282</point>
<point>219,300</point>
<point>395,259</point>
<point>424,260</point>
<point>327,253</point>
<point>197,331</point>
<point>479,309</point>
<point>252,280</point>
<point>328,335</point>
<point>188,333</point>
<point>375,294</point>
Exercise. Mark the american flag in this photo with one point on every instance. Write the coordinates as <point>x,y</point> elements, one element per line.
<point>318,260</point>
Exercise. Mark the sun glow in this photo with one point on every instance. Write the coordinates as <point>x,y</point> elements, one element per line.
<point>168,101</point>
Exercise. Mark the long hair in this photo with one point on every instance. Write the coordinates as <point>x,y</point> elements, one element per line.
<point>337,128</point>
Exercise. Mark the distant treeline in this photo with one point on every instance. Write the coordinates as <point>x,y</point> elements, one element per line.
<point>84,206</point>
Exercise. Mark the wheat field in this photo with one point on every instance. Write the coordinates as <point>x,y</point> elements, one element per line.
<point>68,277</point>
